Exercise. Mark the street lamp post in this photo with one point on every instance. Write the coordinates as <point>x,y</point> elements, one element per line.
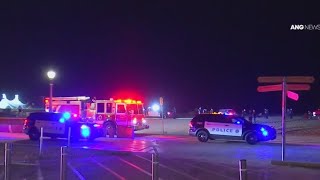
<point>51,75</point>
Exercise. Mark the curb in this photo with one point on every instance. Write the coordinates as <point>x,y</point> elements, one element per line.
<point>296,164</point>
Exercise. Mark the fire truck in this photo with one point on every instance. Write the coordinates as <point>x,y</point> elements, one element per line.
<point>109,113</point>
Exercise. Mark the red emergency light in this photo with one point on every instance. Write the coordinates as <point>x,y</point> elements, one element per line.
<point>128,101</point>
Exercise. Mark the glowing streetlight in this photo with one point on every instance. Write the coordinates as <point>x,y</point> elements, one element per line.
<point>51,75</point>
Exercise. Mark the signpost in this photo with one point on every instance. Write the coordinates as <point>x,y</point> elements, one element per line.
<point>285,88</point>
<point>161,105</point>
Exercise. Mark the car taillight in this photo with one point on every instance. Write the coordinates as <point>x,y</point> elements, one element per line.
<point>190,124</point>
<point>134,121</point>
<point>25,121</point>
<point>144,121</point>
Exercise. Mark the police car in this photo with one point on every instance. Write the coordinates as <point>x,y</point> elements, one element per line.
<point>221,126</point>
<point>56,125</point>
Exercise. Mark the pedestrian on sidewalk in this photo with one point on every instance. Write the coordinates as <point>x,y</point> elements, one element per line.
<point>266,113</point>
<point>290,113</point>
<point>199,110</point>
<point>254,115</point>
<point>309,115</point>
<point>244,113</point>
<point>250,115</point>
<point>174,112</point>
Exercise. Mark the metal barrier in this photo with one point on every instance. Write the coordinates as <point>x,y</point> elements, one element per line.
<point>7,160</point>
<point>69,136</point>
<point>243,169</point>
<point>63,163</point>
<point>32,159</point>
<point>155,166</point>
<point>41,141</point>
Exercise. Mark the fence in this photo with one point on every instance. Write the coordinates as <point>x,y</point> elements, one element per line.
<point>63,160</point>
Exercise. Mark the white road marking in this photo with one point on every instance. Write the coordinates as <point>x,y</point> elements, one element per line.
<point>109,170</point>
<point>76,172</point>
<point>136,167</point>
<point>174,170</point>
<point>40,176</point>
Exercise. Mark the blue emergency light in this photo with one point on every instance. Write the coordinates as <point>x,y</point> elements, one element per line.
<point>85,131</point>
<point>66,115</point>
<point>264,132</point>
<point>62,120</point>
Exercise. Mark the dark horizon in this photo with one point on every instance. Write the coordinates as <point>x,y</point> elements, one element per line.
<point>192,54</point>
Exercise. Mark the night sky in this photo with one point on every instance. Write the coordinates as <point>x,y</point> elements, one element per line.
<point>193,53</point>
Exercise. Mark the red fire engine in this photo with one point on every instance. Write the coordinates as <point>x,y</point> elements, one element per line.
<point>109,113</point>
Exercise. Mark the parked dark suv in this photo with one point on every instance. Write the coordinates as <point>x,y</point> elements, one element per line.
<point>221,126</point>
<point>56,125</point>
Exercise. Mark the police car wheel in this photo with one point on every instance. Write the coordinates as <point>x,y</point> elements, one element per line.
<point>252,138</point>
<point>203,136</point>
<point>34,134</point>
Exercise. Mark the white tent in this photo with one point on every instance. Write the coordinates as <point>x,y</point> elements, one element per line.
<point>16,103</point>
<point>13,104</point>
<point>4,103</point>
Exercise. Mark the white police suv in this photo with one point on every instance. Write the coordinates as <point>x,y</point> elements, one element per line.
<point>232,127</point>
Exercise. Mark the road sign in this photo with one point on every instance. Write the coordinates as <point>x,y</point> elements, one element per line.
<point>293,95</point>
<point>285,88</point>
<point>278,87</point>
<point>289,79</point>
<point>298,87</point>
<point>269,88</point>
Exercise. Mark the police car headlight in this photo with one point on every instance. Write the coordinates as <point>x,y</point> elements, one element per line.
<point>144,121</point>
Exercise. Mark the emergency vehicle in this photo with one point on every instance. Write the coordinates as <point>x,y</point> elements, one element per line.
<point>58,125</point>
<point>222,126</point>
<point>108,113</point>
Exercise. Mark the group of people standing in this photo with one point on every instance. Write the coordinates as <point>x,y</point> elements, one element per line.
<point>251,113</point>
